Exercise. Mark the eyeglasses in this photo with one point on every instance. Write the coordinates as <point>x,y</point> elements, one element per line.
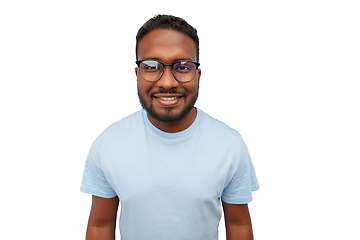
<point>152,70</point>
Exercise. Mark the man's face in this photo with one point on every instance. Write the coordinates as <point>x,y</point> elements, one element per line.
<point>167,100</point>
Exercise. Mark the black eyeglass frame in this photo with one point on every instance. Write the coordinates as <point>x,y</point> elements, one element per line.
<point>170,65</point>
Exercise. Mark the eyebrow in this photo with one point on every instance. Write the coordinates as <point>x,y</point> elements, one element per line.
<point>177,60</point>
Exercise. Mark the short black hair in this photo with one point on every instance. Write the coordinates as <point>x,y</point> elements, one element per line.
<point>168,22</point>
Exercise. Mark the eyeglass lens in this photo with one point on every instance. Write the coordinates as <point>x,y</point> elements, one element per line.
<point>152,70</point>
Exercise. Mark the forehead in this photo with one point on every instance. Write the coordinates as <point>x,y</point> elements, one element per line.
<point>167,45</point>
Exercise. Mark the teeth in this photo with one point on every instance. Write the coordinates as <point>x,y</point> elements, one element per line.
<point>168,98</point>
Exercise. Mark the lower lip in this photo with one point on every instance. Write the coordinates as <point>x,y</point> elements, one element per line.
<point>168,103</point>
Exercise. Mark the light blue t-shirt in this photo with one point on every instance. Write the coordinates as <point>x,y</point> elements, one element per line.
<point>170,184</point>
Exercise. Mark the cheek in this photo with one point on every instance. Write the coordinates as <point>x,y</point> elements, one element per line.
<point>144,87</point>
<point>193,88</point>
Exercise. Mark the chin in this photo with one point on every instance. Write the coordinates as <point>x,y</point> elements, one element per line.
<point>168,115</point>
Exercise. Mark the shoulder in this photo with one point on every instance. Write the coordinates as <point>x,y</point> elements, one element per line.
<point>124,127</point>
<point>219,130</point>
<point>126,123</point>
<point>219,127</point>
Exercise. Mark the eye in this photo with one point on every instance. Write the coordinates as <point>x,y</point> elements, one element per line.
<point>183,67</point>
<point>150,66</point>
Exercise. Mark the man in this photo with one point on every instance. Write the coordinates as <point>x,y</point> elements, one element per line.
<point>170,165</point>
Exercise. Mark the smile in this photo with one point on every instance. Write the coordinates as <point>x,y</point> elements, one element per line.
<point>168,98</point>
<point>168,101</point>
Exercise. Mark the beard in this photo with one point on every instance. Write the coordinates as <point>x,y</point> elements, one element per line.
<point>168,117</point>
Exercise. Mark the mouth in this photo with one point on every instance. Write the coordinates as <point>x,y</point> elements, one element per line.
<point>168,100</point>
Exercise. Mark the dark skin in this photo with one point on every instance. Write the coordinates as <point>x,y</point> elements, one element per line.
<point>102,220</point>
<point>167,46</point>
<point>237,222</point>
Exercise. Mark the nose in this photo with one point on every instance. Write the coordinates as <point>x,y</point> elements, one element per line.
<point>167,80</point>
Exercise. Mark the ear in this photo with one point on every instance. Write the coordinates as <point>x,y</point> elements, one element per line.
<point>136,71</point>
<point>199,75</point>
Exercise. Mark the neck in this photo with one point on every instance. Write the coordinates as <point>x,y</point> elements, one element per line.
<point>176,126</point>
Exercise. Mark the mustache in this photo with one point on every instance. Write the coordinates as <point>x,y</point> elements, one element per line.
<point>169,91</point>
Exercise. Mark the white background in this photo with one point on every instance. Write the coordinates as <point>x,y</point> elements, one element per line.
<point>285,74</point>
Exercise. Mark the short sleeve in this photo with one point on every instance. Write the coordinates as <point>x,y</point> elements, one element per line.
<point>242,180</point>
<point>94,181</point>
